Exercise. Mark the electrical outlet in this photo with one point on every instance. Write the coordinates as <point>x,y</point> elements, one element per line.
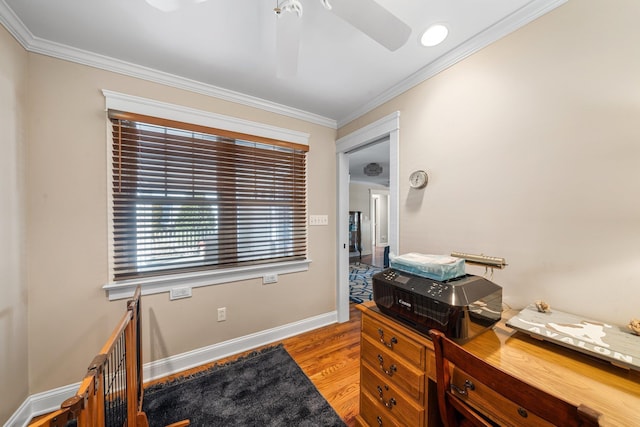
<point>178,293</point>
<point>269,278</point>
<point>222,314</point>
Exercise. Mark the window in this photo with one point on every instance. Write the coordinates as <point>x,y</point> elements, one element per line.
<point>189,198</point>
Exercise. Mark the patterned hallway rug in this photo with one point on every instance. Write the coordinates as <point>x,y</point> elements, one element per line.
<point>360,286</point>
<point>267,388</point>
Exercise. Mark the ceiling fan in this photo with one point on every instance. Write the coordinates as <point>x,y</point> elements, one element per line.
<point>368,16</point>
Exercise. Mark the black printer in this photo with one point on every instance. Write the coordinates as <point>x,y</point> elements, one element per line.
<point>461,308</point>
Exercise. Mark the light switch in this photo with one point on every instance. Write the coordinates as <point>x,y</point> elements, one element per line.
<point>318,219</point>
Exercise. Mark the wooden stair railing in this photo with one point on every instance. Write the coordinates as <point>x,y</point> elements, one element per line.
<point>111,392</point>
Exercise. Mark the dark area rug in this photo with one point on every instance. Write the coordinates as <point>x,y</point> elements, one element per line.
<point>265,388</point>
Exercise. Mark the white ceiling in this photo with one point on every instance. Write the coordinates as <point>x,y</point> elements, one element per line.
<point>377,152</point>
<point>226,48</point>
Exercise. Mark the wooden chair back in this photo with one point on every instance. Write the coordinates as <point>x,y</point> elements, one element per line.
<point>462,378</point>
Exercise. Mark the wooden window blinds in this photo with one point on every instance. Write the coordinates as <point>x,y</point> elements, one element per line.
<point>188,198</point>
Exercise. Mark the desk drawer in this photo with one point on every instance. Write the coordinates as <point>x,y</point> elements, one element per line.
<point>376,415</point>
<point>393,368</point>
<point>390,398</point>
<point>395,341</point>
<point>495,406</point>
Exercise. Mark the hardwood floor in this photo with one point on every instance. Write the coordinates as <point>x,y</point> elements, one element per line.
<point>330,357</point>
<point>376,258</point>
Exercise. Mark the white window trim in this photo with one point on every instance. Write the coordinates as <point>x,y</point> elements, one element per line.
<point>150,107</point>
<point>152,285</point>
<point>158,284</point>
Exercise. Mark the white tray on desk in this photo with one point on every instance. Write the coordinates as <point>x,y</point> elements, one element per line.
<point>614,344</point>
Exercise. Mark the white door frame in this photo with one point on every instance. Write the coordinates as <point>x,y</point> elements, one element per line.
<point>386,126</point>
<point>374,205</point>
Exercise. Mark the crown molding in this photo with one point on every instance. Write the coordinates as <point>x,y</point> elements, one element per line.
<point>14,25</point>
<point>34,44</point>
<point>512,22</point>
<point>369,133</point>
<point>526,14</point>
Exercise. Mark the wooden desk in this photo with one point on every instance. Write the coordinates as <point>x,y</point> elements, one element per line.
<point>573,376</point>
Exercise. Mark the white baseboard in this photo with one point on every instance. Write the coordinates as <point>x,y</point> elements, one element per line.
<point>49,401</point>
<point>41,403</point>
<point>163,367</point>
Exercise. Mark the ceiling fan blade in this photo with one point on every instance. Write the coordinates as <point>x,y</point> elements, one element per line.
<point>165,5</point>
<point>288,27</point>
<point>373,20</point>
<point>170,5</point>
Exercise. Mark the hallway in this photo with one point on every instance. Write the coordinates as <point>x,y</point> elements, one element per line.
<point>376,258</point>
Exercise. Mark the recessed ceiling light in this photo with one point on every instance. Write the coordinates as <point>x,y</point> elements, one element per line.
<point>434,35</point>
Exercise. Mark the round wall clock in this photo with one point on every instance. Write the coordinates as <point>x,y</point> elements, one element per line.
<point>418,179</point>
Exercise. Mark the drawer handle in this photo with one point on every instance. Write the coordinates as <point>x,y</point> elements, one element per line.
<point>388,344</point>
<point>379,420</point>
<point>468,385</point>
<point>391,370</point>
<point>389,404</point>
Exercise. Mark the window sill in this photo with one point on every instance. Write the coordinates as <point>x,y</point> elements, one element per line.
<point>155,285</point>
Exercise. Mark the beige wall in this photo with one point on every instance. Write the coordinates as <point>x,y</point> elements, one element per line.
<point>533,151</point>
<point>66,263</point>
<point>13,299</point>
<point>531,145</point>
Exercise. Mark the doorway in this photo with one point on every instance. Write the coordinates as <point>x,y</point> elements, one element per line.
<point>387,127</point>
<point>368,193</point>
<point>379,227</point>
